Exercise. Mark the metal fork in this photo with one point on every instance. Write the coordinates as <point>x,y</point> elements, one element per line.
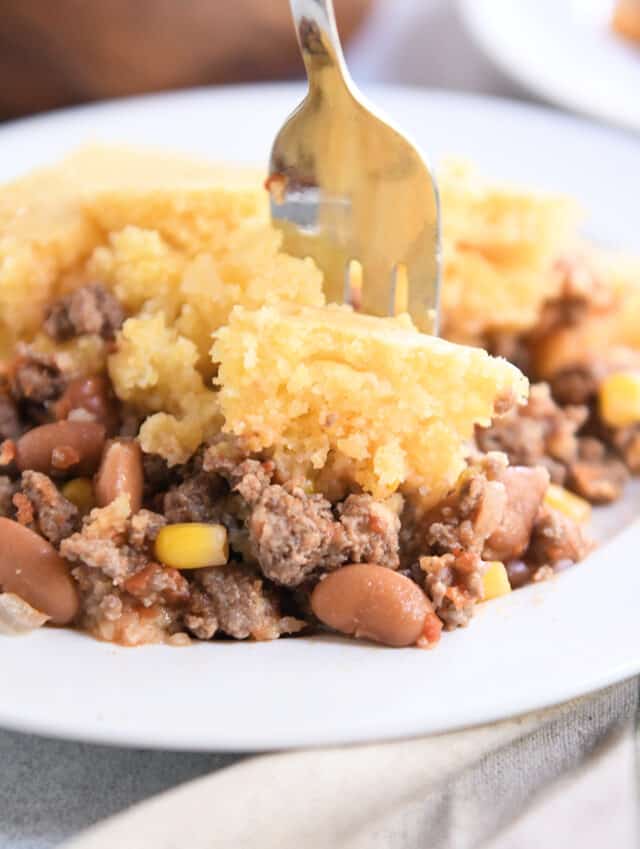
<point>349,190</point>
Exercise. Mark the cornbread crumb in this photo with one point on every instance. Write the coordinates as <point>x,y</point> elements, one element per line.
<point>318,385</point>
<point>155,369</point>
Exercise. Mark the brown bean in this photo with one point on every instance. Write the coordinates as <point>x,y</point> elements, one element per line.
<point>80,444</point>
<point>519,574</point>
<point>32,569</point>
<point>525,490</point>
<point>373,602</point>
<point>120,473</point>
<point>92,394</point>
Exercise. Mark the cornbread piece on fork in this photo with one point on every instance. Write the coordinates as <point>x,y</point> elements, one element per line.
<point>372,397</point>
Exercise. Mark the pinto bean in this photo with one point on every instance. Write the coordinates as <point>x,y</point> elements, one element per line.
<point>370,601</point>
<point>62,448</point>
<point>525,490</point>
<point>32,569</point>
<point>120,473</point>
<point>92,394</point>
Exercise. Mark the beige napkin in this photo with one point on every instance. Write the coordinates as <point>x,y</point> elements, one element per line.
<point>447,792</point>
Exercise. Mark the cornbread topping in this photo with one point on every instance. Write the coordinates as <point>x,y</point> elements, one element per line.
<point>192,443</point>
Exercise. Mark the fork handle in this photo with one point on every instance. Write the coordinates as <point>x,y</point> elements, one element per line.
<point>315,23</point>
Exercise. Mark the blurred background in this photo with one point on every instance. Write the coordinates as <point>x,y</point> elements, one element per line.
<point>61,52</point>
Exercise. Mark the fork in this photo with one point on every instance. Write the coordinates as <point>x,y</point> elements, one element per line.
<point>349,190</point>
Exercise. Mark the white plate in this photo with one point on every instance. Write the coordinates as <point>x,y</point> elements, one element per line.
<point>537,647</point>
<point>564,50</point>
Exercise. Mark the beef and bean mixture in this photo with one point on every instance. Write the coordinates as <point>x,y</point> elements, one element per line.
<point>561,427</point>
<point>113,541</point>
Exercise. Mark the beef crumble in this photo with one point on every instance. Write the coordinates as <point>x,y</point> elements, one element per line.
<point>556,539</point>
<point>114,542</point>
<point>293,534</point>
<point>626,441</point>
<point>91,309</point>
<point>40,505</point>
<point>37,377</point>
<point>595,474</point>
<point>7,490</point>
<point>194,500</point>
<point>10,427</point>
<point>539,433</point>
<point>453,582</point>
<point>490,516</point>
<point>237,601</point>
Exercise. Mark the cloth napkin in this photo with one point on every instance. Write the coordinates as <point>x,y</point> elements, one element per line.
<point>453,791</point>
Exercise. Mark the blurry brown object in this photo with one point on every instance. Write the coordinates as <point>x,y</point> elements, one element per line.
<point>58,52</point>
<point>626,19</point>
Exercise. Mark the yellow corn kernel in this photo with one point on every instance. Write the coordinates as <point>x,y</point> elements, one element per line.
<point>495,581</point>
<point>576,508</point>
<point>619,398</point>
<point>192,545</point>
<point>79,491</point>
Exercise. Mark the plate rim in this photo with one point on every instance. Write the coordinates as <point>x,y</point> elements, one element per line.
<point>553,110</point>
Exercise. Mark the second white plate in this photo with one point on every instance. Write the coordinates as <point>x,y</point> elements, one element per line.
<point>563,50</point>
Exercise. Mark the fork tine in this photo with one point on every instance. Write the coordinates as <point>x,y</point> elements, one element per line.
<point>423,280</point>
<point>377,280</point>
<point>399,301</point>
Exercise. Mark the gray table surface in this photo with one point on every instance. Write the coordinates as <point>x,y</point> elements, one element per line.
<point>51,789</point>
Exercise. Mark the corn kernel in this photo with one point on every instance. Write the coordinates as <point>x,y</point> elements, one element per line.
<point>566,502</point>
<point>79,491</point>
<point>495,581</point>
<point>192,545</point>
<point>619,398</point>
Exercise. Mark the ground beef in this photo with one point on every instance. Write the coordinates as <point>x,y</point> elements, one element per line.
<point>597,475</point>
<point>41,505</point>
<point>116,616</point>
<point>143,529</point>
<point>626,441</point>
<point>113,542</point>
<point>7,490</point>
<point>10,427</point>
<point>512,347</point>
<point>235,600</point>
<point>581,289</point>
<point>294,534</point>
<point>195,500</point>
<point>158,476</point>
<point>127,598</point>
<point>539,433</point>
<point>556,539</point>
<point>35,377</point>
<point>156,584</point>
<point>453,582</point>
<point>89,310</point>
<point>116,560</point>
<point>576,385</point>
<point>579,384</point>
<point>371,531</point>
<point>468,515</point>
<point>228,459</point>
